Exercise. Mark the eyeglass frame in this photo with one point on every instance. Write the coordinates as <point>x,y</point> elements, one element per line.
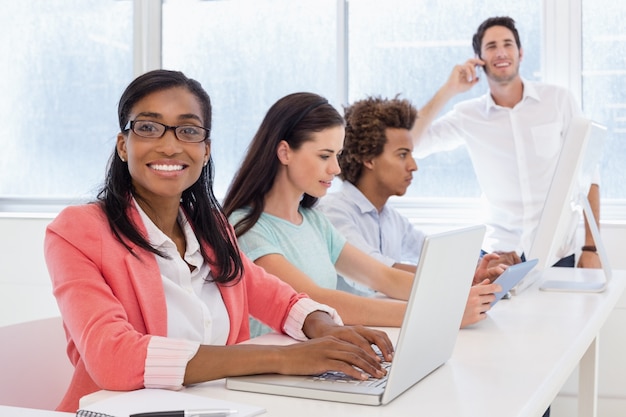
<point>131,124</point>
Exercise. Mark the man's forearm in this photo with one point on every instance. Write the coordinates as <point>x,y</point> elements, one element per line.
<point>462,78</point>
<point>594,203</point>
<point>429,112</point>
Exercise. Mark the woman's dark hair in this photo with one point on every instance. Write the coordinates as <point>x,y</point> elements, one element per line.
<point>505,21</point>
<point>367,122</point>
<point>293,118</point>
<point>198,201</point>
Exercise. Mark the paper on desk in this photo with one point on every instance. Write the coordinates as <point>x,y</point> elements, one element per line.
<point>148,400</point>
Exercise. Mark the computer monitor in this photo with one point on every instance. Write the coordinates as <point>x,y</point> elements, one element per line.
<point>567,199</point>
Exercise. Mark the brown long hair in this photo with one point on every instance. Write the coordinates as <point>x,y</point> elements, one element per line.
<point>293,118</point>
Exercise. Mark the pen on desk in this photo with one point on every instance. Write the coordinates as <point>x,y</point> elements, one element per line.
<point>211,412</point>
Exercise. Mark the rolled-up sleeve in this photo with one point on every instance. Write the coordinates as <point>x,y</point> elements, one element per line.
<point>299,312</point>
<point>166,362</point>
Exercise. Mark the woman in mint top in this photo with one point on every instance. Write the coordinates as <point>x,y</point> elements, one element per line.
<point>296,242</point>
<point>290,163</point>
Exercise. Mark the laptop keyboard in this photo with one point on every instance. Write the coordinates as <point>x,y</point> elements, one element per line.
<point>340,377</point>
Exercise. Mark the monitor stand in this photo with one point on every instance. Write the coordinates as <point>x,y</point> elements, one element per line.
<point>583,286</point>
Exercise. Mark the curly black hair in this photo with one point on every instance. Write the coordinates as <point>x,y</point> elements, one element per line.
<point>366,121</point>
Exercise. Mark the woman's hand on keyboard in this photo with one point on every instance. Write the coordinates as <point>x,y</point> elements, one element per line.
<point>330,353</point>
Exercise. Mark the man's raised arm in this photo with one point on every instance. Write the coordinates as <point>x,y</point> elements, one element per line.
<point>462,78</point>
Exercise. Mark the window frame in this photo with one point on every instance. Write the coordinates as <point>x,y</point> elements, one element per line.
<point>561,60</point>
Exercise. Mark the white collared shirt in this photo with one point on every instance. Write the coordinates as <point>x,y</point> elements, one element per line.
<point>195,309</point>
<point>514,153</point>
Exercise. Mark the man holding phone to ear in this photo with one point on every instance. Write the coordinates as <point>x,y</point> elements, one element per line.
<point>514,134</point>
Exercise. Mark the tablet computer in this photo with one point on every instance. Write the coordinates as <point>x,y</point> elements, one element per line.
<point>511,276</point>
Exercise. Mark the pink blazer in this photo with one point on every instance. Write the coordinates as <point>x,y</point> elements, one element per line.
<point>112,302</point>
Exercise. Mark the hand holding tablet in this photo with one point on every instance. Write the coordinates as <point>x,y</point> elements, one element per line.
<point>511,276</point>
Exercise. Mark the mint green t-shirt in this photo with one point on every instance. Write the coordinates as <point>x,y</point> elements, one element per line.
<point>312,246</point>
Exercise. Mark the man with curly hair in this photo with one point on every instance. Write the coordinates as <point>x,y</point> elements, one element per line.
<point>376,163</point>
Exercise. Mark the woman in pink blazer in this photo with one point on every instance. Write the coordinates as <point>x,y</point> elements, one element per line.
<point>151,285</point>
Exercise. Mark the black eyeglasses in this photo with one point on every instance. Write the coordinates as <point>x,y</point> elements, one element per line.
<point>155,130</point>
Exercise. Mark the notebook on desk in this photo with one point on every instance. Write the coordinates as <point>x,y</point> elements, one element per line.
<point>159,402</point>
<point>427,336</point>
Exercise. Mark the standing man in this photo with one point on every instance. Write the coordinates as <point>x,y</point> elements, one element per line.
<point>376,163</point>
<point>514,134</point>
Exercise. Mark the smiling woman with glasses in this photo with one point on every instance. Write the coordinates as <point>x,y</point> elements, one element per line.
<point>149,279</point>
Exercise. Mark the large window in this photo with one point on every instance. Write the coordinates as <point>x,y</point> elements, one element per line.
<point>64,65</point>
<point>604,85</point>
<point>67,61</point>
<point>248,54</point>
<point>410,47</point>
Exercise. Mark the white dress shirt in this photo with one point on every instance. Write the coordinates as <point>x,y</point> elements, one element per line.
<point>195,309</point>
<point>514,153</point>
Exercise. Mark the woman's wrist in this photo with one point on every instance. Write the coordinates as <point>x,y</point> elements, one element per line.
<point>317,324</point>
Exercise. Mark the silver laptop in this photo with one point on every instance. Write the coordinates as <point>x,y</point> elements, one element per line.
<point>427,336</point>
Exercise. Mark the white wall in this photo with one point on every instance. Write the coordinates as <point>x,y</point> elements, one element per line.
<point>25,290</point>
<point>25,294</point>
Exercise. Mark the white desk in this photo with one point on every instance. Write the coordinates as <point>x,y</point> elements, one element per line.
<point>512,364</point>
<point>7,411</point>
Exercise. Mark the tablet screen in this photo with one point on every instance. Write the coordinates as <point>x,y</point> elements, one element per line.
<point>511,276</point>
